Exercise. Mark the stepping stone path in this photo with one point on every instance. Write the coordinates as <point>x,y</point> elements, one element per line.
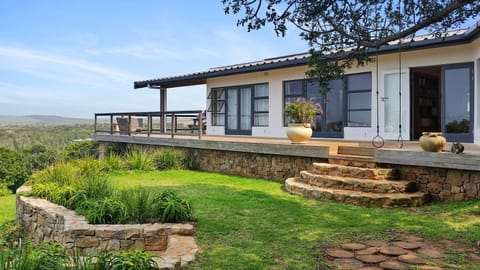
<point>411,252</point>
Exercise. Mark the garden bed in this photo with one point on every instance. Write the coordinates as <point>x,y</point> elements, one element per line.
<point>44,221</point>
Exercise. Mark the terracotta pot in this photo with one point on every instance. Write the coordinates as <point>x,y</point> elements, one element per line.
<point>299,133</point>
<point>432,141</point>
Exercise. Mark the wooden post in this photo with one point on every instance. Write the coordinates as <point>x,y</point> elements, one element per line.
<point>200,125</point>
<point>172,123</point>
<point>95,125</point>
<point>163,107</point>
<point>111,124</point>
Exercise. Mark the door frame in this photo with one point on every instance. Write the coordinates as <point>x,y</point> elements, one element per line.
<point>459,137</point>
<point>239,131</point>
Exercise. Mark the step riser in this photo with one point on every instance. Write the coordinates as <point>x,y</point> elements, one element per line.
<point>351,198</point>
<point>355,172</point>
<point>354,163</point>
<point>358,185</point>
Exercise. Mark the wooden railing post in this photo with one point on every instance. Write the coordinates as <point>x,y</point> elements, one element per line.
<point>172,123</point>
<point>200,125</point>
<point>111,124</point>
<point>129,125</point>
<point>95,125</point>
<point>149,119</point>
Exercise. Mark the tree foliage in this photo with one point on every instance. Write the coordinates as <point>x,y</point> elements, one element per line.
<point>345,29</point>
<point>13,170</point>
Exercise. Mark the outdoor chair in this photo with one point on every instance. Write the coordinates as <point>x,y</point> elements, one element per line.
<point>126,129</point>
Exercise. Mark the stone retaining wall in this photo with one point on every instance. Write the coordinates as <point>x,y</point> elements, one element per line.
<point>443,184</point>
<point>44,221</point>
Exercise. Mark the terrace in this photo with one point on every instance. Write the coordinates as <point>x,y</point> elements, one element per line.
<point>184,129</point>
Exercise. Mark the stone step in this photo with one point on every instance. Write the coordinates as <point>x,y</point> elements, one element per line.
<point>353,160</point>
<point>357,184</point>
<point>387,200</point>
<point>355,172</point>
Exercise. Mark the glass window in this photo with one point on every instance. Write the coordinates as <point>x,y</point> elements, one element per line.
<point>260,105</point>
<point>359,100</point>
<point>217,106</point>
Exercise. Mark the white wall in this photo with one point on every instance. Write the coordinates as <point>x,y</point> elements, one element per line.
<point>387,64</point>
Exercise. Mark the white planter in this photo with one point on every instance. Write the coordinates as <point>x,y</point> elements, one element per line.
<point>299,133</point>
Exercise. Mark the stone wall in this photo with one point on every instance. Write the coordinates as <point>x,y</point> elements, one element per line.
<point>44,221</point>
<point>443,184</point>
<point>266,166</point>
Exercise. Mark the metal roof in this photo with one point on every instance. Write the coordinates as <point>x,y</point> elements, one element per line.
<point>454,37</point>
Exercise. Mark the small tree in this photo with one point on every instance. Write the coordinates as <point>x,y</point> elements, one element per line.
<point>38,157</point>
<point>13,169</point>
<point>78,150</point>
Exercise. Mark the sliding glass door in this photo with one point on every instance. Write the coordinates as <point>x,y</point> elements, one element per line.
<point>239,111</point>
<point>457,115</point>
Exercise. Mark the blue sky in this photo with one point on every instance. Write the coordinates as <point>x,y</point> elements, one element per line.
<point>75,58</point>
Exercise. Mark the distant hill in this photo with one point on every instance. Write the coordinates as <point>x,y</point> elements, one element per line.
<point>41,120</point>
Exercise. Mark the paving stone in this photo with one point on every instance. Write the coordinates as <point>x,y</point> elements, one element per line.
<point>370,268</point>
<point>394,265</point>
<point>353,246</point>
<point>392,251</point>
<point>339,253</point>
<point>371,259</point>
<point>407,245</point>
<point>376,243</point>
<point>429,267</point>
<point>412,238</point>
<point>368,251</point>
<point>432,253</point>
<point>348,264</point>
<point>411,258</point>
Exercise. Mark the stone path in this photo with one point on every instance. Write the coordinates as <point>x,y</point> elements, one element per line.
<point>410,252</point>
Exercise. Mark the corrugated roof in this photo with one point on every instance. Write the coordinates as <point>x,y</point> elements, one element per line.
<point>449,38</point>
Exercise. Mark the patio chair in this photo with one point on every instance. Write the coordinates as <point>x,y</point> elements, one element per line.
<point>135,125</point>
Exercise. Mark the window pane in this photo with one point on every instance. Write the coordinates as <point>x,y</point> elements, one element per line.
<point>360,100</point>
<point>246,108</point>
<point>359,82</point>
<point>334,109</point>
<point>261,105</point>
<point>359,118</point>
<point>457,96</point>
<point>314,93</point>
<point>261,90</point>
<point>260,119</point>
<point>218,119</point>
<point>294,88</point>
<point>232,109</point>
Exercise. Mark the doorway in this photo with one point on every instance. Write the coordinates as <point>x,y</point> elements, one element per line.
<point>442,100</point>
<point>239,111</point>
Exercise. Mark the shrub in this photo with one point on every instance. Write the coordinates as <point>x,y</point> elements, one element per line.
<point>61,195</point>
<point>113,162</point>
<point>104,211</point>
<point>140,204</point>
<point>78,150</point>
<point>9,233</point>
<point>13,170</point>
<point>4,190</point>
<point>127,260</point>
<point>174,209</point>
<point>61,173</point>
<point>90,166</point>
<point>119,149</point>
<point>38,157</point>
<point>170,158</point>
<point>139,160</point>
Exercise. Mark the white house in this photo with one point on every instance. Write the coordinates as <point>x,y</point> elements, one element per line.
<point>433,85</point>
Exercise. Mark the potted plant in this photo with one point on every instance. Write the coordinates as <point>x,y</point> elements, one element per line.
<point>301,113</point>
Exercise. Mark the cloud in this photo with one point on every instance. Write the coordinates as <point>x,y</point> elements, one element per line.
<point>147,51</point>
<point>61,68</point>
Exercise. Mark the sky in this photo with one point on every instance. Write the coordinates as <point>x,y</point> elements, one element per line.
<point>76,58</point>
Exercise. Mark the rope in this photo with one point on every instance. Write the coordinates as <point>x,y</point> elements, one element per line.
<point>377,141</point>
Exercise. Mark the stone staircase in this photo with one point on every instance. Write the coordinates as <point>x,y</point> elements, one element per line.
<point>354,179</point>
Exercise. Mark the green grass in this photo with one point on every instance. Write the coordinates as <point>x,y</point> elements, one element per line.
<point>246,223</point>
<point>7,208</point>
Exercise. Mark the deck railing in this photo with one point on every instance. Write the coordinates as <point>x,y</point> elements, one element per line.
<point>164,123</point>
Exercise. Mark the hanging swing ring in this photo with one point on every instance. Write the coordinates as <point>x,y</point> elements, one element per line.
<point>378,141</point>
<point>400,141</point>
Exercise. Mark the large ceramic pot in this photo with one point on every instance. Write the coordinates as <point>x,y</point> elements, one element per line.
<point>432,141</point>
<point>299,133</point>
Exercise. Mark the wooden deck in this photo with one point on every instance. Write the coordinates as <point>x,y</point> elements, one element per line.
<point>409,154</point>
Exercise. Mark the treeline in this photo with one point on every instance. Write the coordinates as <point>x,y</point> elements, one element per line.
<point>53,137</point>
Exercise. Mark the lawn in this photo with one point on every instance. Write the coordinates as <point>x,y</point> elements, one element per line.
<point>246,223</point>
<point>7,208</point>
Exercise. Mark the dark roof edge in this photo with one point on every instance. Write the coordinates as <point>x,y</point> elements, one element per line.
<point>276,63</point>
